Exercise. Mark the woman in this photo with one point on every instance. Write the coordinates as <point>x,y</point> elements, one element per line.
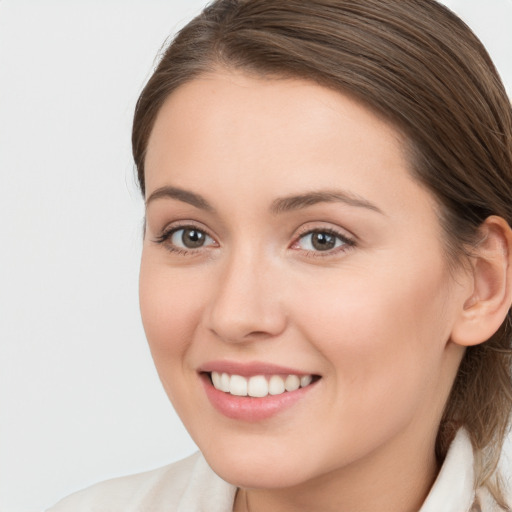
<point>326,277</point>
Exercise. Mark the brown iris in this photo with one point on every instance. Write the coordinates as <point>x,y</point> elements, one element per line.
<point>323,241</point>
<point>193,238</point>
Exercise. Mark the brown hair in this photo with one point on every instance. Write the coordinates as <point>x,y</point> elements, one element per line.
<point>421,67</point>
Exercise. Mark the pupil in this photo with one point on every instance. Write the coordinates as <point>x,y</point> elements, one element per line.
<point>192,238</point>
<point>323,241</point>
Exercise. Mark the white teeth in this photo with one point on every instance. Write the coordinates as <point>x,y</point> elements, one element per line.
<point>305,381</point>
<point>238,385</point>
<point>258,386</point>
<point>224,382</point>
<point>216,379</point>
<point>292,383</point>
<point>275,385</point>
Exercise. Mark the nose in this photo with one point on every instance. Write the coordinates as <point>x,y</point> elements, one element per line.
<point>246,304</point>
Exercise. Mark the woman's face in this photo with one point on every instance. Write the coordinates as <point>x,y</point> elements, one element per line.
<point>286,242</point>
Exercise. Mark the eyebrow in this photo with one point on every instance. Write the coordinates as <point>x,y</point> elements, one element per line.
<point>291,203</point>
<point>280,205</point>
<point>181,195</point>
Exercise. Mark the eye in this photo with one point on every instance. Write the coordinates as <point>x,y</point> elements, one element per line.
<point>185,238</point>
<point>322,241</point>
<point>189,238</point>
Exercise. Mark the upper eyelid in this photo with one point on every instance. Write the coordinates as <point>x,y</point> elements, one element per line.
<point>166,233</point>
<point>177,225</point>
<point>337,231</point>
<point>349,241</point>
<point>345,239</point>
<point>305,229</point>
<point>164,239</point>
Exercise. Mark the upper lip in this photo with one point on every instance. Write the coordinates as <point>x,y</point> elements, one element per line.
<point>249,369</point>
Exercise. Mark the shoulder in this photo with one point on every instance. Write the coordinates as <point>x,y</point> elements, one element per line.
<point>176,487</point>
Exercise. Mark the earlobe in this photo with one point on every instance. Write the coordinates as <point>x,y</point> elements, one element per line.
<point>485,309</point>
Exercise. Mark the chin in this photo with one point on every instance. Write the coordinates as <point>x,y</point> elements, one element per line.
<point>267,466</point>
<point>242,472</point>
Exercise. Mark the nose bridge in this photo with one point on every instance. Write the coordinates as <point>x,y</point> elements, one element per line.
<point>246,304</point>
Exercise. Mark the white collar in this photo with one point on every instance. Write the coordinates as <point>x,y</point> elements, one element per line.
<point>453,490</point>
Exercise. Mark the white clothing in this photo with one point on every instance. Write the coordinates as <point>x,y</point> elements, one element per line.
<point>191,485</point>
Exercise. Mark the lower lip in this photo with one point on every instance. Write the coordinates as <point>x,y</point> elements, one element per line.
<point>247,408</point>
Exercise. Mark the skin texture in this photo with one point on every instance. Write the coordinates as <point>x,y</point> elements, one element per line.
<point>372,317</point>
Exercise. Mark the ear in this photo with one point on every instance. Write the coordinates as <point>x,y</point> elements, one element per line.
<point>490,296</point>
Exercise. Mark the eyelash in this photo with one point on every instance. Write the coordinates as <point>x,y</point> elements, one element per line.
<point>346,242</point>
<point>167,234</point>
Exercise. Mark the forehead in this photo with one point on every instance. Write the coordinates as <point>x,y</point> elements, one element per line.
<point>229,128</point>
<point>202,97</point>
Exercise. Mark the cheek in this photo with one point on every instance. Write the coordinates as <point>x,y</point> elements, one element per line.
<point>383,335</point>
<point>170,310</point>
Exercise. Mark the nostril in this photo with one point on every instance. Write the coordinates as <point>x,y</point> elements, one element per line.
<point>233,332</point>
<point>246,306</point>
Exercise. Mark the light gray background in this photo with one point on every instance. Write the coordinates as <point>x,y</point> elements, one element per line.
<point>79,398</point>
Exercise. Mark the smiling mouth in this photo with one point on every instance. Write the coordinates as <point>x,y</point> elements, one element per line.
<point>259,386</point>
